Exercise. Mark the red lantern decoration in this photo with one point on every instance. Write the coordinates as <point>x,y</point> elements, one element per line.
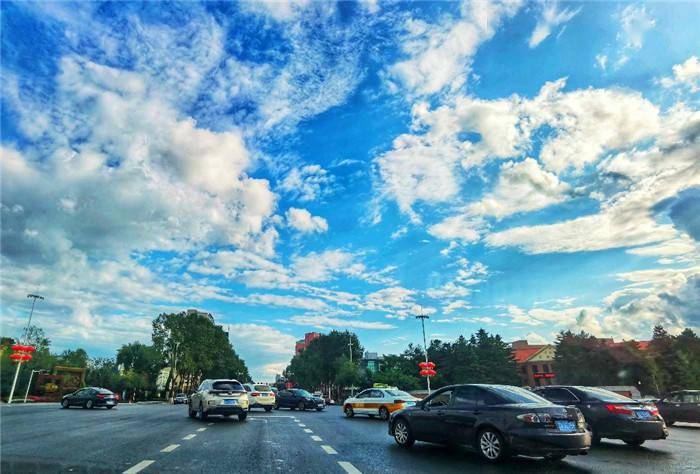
<point>15,356</point>
<point>427,365</point>
<point>428,373</point>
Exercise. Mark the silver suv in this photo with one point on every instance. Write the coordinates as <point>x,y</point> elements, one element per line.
<point>225,397</point>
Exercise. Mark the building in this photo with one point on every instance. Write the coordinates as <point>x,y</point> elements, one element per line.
<point>371,361</point>
<point>304,343</point>
<point>535,363</point>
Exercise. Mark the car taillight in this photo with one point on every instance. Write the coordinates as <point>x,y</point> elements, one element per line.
<point>652,409</point>
<point>254,394</point>
<point>618,409</point>
<point>535,418</point>
<point>100,395</point>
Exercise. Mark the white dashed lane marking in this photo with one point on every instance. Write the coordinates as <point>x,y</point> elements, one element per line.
<point>349,468</point>
<point>170,449</point>
<point>138,467</point>
<point>201,429</point>
<point>328,449</point>
<point>306,430</point>
<point>190,436</point>
<point>210,424</point>
<point>316,438</point>
<point>302,425</point>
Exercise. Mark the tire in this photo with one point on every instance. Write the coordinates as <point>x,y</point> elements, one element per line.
<point>348,411</point>
<point>301,406</point>
<point>595,438</point>
<point>634,442</point>
<point>384,413</point>
<point>190,412</point>
<point>277,407</point>
<point>556,457</point>
<point>268,409</point>
<point>110,407</point>
<point>371,417</point>
<point>319,409</point>
<point>201,414</point>
<point>403,434</point>
<point>242,416</point>
<point>89,404</point>
<point>491,446</point>
<point>65,403</point>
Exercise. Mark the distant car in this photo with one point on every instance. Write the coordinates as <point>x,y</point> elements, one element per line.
<point>683,405</point>
<point>609,414</point>
<point>297,398</point>
<point>260,396</point>
<point>379,402</point>
<point>179,399</point>
<point>225,397</point>
<point>90,397</point>
<point>498,421</point>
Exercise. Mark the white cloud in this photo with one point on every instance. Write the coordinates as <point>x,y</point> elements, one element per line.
<point>522,186</point>
<point>458,227</point>
<point>269,347</point>
<point>551,17</point>
<point>601,61</point>
<point>304,222</point>
<point>307,183</point>
<point>634,23</point>
<point>686,74</point>
<point>440,54</point>
<point>323,322</point>
<point>323,266</point>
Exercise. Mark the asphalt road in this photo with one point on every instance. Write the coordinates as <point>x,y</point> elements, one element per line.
<point>159,438</point>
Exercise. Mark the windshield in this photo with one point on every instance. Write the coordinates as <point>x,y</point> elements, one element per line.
<point>262,388</point>
<point>229,386</point>
<point>303,393</point>
<point>517,395</point>
<point>603,395</point>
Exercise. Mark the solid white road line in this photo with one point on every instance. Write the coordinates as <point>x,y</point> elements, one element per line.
<point>328,449</point>
<point>306,430</point>
<point>190,436</point>
<point>349,468</point>
<point>210,424</point>
<point>201,429</point>
<point>170,449</point>
<point>316,438</point>
<point>138,467</point>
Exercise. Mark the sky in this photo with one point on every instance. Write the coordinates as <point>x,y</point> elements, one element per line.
<point>301,166</point>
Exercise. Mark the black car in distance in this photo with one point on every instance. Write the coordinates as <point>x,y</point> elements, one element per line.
<point>90,397</point>
<point>683,406</point>
<point>610,415</point>
<point>498,421</point>
<point>297,398</point>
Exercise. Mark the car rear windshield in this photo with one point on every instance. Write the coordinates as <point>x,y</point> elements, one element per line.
<point>262,388</point>
<point>517,395</point>
<point>398,393</point>
<point>104,391</point>
<point>602,395</point>
<point>229,386</point>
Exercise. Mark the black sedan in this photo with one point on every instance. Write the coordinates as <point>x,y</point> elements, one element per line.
<point>297,398</point>
<point>496,420</point>
<point>90,397</point>
<point>683,405</point>
<point>610,415</point>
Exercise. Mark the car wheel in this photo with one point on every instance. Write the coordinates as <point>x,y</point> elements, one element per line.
<point>490,445</point>
<point>89,404</point>
<point>242,416</point>
<point>65,403</point>
<point>110,407</point>
<point>319,409</point>
<point>277,407</point>
<point>268,408</point>
<point>595,437</point>
<point>634,442</point>
<point>348,411</point>
<point>301,406</point>
<point>402,434</point>
<point>384,413</point>
<point>201,414</point>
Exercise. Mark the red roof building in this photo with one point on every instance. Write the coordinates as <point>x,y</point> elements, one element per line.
<point>304,343</point>
<point>535,363</point>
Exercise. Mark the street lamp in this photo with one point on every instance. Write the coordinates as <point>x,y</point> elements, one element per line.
<point>26,336</point>
<point>29,384</point>
<point>422,318</point>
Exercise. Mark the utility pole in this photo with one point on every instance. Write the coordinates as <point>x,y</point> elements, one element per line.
<point>422,318</point>
<point>352,386</point>
<point>23,339</point>
<point>26,394</point>
<point>350,346</point>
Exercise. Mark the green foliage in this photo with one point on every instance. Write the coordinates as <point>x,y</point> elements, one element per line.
<point>73,358</point>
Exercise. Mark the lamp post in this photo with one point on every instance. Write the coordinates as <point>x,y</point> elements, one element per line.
<point>24,337</point>
<point>422,318</point>
<point>29,384</point>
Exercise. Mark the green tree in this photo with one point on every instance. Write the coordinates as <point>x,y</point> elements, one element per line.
<point>73,358</point>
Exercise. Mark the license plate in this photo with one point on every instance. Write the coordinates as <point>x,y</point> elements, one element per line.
<point>110,402</point>
<point>643,414</point>
<point>230,402</point>
<point>565,426</point>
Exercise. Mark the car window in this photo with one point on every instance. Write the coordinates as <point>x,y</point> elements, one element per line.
<point>517,395</point>
<point>465,397</point>
<point>364,394</point>
<point>302,393</point>
<point>247,388</point>
<point>558,395</point>
<point>398,393</point>
<point>284,393</point>
<point>440,400</point>
<point>691,398</point>
<point>376,394</point>
<point>262,388</point>
<point>602,395</point>
<point>104,391</point>
<point>228,386</point>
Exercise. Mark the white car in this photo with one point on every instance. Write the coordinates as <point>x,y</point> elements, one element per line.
<point>379,402</point>
<point>260,396</point>
<point>219,397</point>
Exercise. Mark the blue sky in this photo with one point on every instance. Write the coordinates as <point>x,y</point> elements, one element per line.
<point>299,166</point>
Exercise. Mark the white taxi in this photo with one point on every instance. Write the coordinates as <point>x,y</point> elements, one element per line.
<point>378,401</point>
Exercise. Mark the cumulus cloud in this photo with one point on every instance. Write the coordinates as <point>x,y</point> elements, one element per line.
<point>550,18</point>
<point>272,348</point>
<point>325,322</point>
<point>304,222</point>
<point>635,21</point>
<point>307,183</point>
<point>458,227</point>
<point>686,74</point>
